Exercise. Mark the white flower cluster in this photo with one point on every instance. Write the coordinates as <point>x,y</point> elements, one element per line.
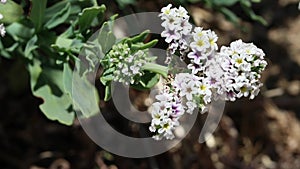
<point>203,48</point>
<point>165,114</point>
<point>242,64</point>
<point>232,73</point>
<point>2,28</point>
<point>128,64</point>
<point>174,101</point>
<point>177,28</point>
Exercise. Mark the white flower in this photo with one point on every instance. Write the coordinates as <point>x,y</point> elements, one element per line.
<point>188,89</point>
<point>3,1</point>
<point>196,56</point>
<point>238,60</point>
<point>255,90</point>
<point>191,105</point>
<point>198,33</point>
<point>156,119</point>
<point>194,67</point>
<point>185,27</point>
<point>201,44</point>
<point>166,126</point>
<point>244,90</point>
<point>177,109</point>
<point>212,38</point>
<point>237,47</point>
<point>164,97</point>
<point>1,16</point>
<point>246,67</point>
<point>170,35</point>
<point>135,69</point>
<point>2,30</point>
<point>182,13</point>
<point>206,92</point>
<point>166,10</point>
<point>125,70</point>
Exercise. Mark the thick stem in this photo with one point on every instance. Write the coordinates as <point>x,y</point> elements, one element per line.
<point>153,67</point>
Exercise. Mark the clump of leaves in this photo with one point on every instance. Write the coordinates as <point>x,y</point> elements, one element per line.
<point>49,40</point>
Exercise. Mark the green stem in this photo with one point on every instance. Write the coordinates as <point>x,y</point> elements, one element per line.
<point>95,2</point>
<point>153,67</point>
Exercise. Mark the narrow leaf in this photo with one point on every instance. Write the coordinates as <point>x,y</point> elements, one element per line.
<point>108,93</point>
<point>37,13</point>
<point>59,17</point>
<point>30,46</point>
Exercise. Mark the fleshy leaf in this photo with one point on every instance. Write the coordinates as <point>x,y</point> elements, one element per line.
<point>37,13</point>
<point>85,96</point>
<point>30,46</point>
<point>148,80</point>
<point>19,32</point>
<point>88,15</point>
<point>47,83</point>
<point>106,38</point>
<point>108,93</point>
<point>225,2</point>
<point>59,17</point>
<point>11,12</point>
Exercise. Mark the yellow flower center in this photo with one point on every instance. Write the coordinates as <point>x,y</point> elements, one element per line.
<point>202,87</point>
<point>167,11</point>
<point>200,43</point>
<point>239,61</point>
<point>166,125</point>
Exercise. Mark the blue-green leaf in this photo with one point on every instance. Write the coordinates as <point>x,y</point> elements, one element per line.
<point>67,79</point>
<point>229,15</point>
<point>148,80</point>
<point>59,18</point>
<point>19,32</point>
<point>85,96</point>
<point>46,84</point>
<point>88,15</point>
<point>11,12</point>
<point>246,5</point>
<point>37,13</point>
<point>106,38</point>
<point>30,46</point>
<point>123,3</point>
<point>225,2</point>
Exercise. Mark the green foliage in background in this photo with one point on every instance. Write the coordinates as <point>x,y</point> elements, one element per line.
<point>49,40</point>
<point>222,6</point>
<point>50,36</point>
